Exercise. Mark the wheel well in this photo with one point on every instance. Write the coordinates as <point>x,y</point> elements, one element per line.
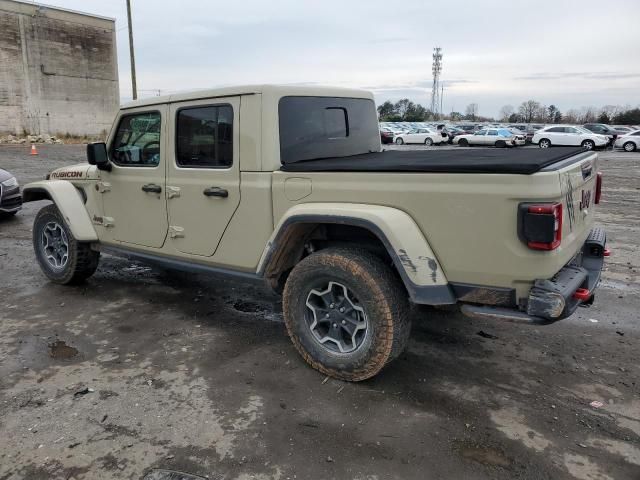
<point>35,194</point>
<point>299,240</point>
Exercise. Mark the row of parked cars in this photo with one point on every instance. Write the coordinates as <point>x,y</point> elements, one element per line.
<point>589,136</point>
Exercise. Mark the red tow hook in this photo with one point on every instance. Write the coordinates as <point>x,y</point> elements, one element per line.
<point>606,253</point>
<point>582,294</point>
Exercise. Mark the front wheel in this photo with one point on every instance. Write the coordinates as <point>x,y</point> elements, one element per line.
<point>588,145</point>
<point>463,142</point>
<point>61,257</point>
<point>629,147</point>
<point>346,313</point>
<point>500,144</point>
<point>544,143</point>
<point>399,141</point>
<point>428,141</point>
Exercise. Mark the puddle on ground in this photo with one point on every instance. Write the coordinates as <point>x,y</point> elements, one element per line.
<point>60,350</point>
<point>483,455</point>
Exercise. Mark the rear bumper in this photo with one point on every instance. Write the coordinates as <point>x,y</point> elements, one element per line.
<point>557,298</point>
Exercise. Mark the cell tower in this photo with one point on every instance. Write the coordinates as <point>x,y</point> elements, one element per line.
<point>436,92</point>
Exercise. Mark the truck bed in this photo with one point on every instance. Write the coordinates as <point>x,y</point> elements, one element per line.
<point>525,161</point>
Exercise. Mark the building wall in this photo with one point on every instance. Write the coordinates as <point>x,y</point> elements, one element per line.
<point>58,71</point>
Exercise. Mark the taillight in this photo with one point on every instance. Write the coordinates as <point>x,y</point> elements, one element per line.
<point>598,187</point>
<point>541,225</point>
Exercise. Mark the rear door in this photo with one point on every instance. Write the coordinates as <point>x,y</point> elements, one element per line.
<point>556,135</point>
<point>203,173</point>
<point>478,138</point>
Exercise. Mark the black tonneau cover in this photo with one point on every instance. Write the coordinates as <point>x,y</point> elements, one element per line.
<point>523,161</point>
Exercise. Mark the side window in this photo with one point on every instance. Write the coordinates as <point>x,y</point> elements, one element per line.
<point>555,130</point>
<point>204,137</point>
<point>137,141</point>
<point>492,132</point>
<point>570,130</point>
<point>481,132</point>
<point>637,134</point>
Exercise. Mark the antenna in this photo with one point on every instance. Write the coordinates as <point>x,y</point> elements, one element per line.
<point>436,94</point>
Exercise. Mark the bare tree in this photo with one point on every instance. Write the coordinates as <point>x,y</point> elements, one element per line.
<point>572,116</point>
<point>505,112</point>
<point>471,111</point>
<point>528,110</point>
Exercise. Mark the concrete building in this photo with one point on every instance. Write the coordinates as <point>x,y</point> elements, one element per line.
<point>58,70</point>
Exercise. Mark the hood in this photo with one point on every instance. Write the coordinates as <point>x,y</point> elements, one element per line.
<point>4,175</point>
<point>72,172</point>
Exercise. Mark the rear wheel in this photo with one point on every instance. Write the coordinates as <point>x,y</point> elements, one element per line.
<point>629,147</point>
<point>463,142</point>
<point>346,313</point>
<point>428,141</point>
<point>61,257</point>
<point>500,144</point>
<point>399,141</point>
<point>588,144</point>
<point>544,143</point>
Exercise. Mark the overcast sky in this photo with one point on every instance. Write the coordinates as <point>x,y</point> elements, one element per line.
<point>566,52</point>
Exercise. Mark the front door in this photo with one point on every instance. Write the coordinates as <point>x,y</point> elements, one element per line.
<point>203,173</point>
<point>135,209</point>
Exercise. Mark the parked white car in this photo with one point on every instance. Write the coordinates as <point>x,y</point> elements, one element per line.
<point>421,135</point>
<point>495,137</point>
<point>568,135</point>
<point>629,142</point>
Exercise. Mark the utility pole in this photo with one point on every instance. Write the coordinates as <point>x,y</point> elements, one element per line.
<point>133,58</point>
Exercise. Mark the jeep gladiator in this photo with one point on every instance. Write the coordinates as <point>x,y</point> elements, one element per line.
<point>290,185</point>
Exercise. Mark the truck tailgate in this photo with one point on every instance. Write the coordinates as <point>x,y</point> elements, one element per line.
<point>578,187</point>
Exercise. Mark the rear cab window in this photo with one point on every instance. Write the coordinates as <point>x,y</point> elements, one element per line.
<point>326,127</point>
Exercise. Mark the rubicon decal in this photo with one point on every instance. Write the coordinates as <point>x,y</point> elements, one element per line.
<point>65,175</point>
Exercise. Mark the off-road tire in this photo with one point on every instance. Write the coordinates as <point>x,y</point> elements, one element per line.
<point>588,145</point>
<point>544,143</point>
<point>380,294</point>
<point>82,260</point>
<point>629,147</point>
<point>463,142</point>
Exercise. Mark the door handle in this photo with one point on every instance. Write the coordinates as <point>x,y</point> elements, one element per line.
<point>215,192</point>
<point>151,188</point>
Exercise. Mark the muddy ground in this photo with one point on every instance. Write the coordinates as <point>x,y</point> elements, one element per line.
<point>141,369</point>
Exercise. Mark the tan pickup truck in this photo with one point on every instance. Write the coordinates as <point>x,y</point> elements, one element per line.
<point>289,185</point>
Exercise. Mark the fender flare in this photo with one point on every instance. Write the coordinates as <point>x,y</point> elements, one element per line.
<point>68,200</point>
<point>411,253</point>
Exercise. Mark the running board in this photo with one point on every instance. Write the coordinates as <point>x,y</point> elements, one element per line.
<point>504,314</point>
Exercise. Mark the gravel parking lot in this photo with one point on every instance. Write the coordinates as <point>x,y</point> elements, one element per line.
<point>141,368</point>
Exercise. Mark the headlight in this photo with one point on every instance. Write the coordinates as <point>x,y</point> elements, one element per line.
<point>11,182</point>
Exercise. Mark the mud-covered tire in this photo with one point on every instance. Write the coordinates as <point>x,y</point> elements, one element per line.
<point>377,290</point>
<point>81,261</point>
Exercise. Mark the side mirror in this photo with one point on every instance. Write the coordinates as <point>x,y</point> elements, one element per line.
<point>97,155</point>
